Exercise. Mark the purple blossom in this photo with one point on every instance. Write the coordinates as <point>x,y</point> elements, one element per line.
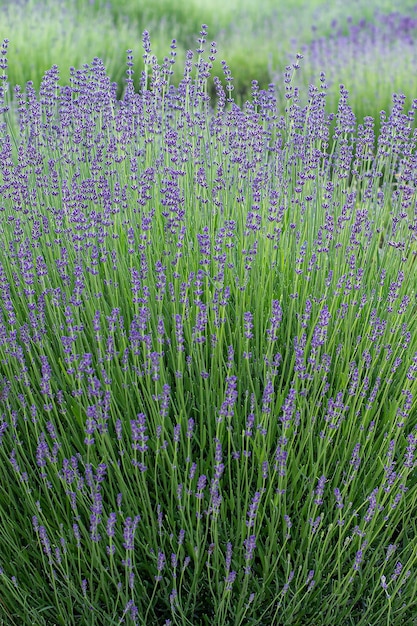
<point>315,523</point>
<point>287,584</point>
<point>253,509</point>
<point>165,400</point>
<point>372,505</point>
<point>190,428</point>
<point>410,451</point>
<point>177,433</point>
<point>139,438</point>
<point>275,320</point>
<point>227,408</point>
<point>390,550</point>
<point>250,546</point>
<point>320,330</point>
<point>219,465</point>
<point>281,455</point>
<point>46,545</point>
<point>160,518</point>
<point>46,376</point>
<point>339,500</point>
<point>77,535</point>
<point>192,471</point>
<point>288,408</point>
<point>319,490</point>
<point>267,397</point>
<point>397,570</point>
<point>355,458</point>
<point>230,579</point>
<point>359,557</point>
<point>111,523</point>
<point>42,452</point>
<point>160,565</point>
<point>229,552</point>
<point>310,582</point>
<point>201,483</point>
<point>129,532</point>
<point>248,320</point>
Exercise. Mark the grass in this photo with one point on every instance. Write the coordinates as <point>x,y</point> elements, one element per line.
<point>208,354</point>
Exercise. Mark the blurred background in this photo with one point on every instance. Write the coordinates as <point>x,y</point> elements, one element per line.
<point>368,45</point>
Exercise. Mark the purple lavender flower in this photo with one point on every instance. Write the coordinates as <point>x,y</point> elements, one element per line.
<point>46,545</point>
<point>219,465</point>
<point>253,509</point>
<point>390,550</point>
<point>129,532</point>
<point>160,518</point>
<point>227,408</point>
<point>315,523</point>
<point>46,376</point>
<point>355,459</point>
<point>339,500</point>
<point>42,452</point>
<point>250,546</point>
<point>177,433</point>
<point>359,558</point>
<point>372,505</point>
<point>267,397</point>
<point>192,471</point>
<point>287,584</point>
<point>288,408</point>
<point>410,451</point>
<point>190,428</point>
<point>160,565</point>
<point>320,330</point>
<point>139,438</point>
<point>111,523</point>
<point>275,320</point>
<point>319,490</point>
<point>397,571</point>
<point>201,483</point>
<point>230,579</point>
<point>310,582</point>
<point>77,534</point>
<point>281,455</point>
<point>248,322</point>
<point>165,400</point>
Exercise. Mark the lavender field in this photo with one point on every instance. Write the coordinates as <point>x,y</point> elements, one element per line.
<point>208,351</point>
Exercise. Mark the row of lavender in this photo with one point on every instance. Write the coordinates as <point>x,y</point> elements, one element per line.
<point>207,354</point>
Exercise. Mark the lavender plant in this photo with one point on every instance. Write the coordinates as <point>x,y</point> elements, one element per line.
<point>208,353</point>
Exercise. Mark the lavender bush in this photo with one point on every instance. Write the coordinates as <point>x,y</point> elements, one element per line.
<point>208,354</point>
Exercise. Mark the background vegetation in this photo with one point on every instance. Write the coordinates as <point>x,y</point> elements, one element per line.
<point>256,39</point>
